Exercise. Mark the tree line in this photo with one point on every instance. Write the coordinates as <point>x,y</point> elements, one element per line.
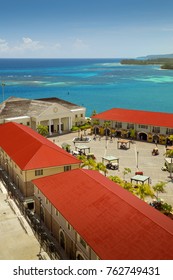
<point>166,63</point>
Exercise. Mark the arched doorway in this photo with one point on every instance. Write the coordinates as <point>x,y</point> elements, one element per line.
<point>62,239</point>
<point>142,136</point>
<point>118,133</point>
<point>96,130</point>
<point>79,256</point>
<point>107,131</point>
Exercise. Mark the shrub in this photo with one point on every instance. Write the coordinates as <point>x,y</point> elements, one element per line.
<point>75,128</point>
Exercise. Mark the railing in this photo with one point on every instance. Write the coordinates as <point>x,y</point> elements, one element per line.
<point>47,242</point>
<point>12,189</point>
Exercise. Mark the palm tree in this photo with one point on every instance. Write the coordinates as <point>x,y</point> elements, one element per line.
<point>81,157</point>
<point>126,185</point>
<point>169,153</point>
<point>171,138</point>
<point>43,130</point>
<point>101,167</point>
<point>116,179</point>
<point>166,208</point>
<point>89,162</point>
<point>126,171</point>
<point>106,125</point>
<point>94,113</point>
<point>96,122</point>
<point>92,164</point>
<point>132,133</point>
<point>159,188</point>
<point>144,190</point>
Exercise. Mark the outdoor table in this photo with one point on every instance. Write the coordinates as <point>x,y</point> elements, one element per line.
<point>140,178</point>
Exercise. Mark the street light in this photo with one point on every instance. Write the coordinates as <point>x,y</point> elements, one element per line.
<point>171,168</point>
<point>3,85</point>
<point>137,156</point>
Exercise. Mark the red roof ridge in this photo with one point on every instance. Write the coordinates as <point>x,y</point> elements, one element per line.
<point>43,141</point>
<point>27,144</point>
<point>91,206</point>
<point>60,150</point>
<point>162,119</point>
<point>153,215</point>
<point>138,110</point>
<point>24,167</point>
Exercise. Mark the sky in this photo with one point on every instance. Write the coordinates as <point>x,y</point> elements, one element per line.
<point>85,28</point>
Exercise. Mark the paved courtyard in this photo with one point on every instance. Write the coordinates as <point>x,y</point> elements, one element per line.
<point>139,155</point>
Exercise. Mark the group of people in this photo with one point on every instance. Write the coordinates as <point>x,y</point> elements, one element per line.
<point>100,137</point>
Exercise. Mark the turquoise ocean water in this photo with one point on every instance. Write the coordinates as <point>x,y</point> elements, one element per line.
<point>97,84</point>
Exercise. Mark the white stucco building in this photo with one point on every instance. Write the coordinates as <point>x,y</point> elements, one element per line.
<point>59,115</point>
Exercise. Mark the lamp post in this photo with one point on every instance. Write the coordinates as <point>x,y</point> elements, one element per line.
<point>137,157</point>
<point>3,85</point>
<point>171,168</point>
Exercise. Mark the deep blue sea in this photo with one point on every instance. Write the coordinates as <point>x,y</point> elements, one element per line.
<point>97,84</point>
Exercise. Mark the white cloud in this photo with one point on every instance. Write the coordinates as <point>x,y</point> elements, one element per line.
<point>26,47</point>
<point>80,44</point>
<point>29,44</point>
<point>3,45</point>
<point>26,44</point>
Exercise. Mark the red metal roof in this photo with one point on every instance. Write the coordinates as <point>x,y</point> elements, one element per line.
<point>137,117</point>
<point>115,223</point>
<point>29,150</point>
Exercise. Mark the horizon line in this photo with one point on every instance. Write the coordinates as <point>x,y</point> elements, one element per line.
<point>63,57</point>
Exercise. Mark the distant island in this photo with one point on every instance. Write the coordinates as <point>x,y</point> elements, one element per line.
<point>163,61</point>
